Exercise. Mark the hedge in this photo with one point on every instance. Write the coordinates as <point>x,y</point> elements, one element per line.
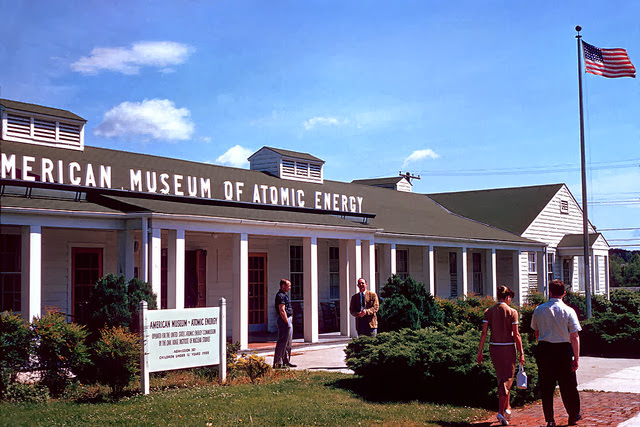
<point>436,364</point>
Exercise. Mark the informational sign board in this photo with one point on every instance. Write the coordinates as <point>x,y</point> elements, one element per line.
<point>182,338</point>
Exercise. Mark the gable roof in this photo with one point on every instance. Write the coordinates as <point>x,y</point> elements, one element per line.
<point>39,109</point>
<point>576,240</point>
<point>512,209</point>
<point>289,153</point>
<point>395,212</point>
<point>379,181</point>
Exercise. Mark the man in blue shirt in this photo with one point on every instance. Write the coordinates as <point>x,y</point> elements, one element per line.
<point>556,327</point>
<point>282,356</point>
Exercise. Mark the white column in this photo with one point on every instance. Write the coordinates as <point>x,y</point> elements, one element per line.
<point>175,269</point>
<point>355,263</point>
<point>155,263</point>
<point>606,276</point>
<point>428,265</point>
<point>31,283</point>
<point>494,274</point>
<point>310,290</point>
<point>240,304</point>
<point>129,254</point>
<point>144,267</point>
<point>126,242</point>
<point>392,259</point>
<point>465,273</point>
<point>517,286</point>
<point>345,296</point>
<point>369,263</point>
<point>354,254</point>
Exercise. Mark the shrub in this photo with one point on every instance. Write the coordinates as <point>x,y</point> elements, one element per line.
<point>461,310</point>
<point>600,304</point>
<point>436,363</point>
<point>26,393</point>
<point>253,365</point>
<point>535,298</point>
<point>625,301</point>
<point>406,304</point>
<point>114,302</point>
<point>611,335</point>
<point>577,302</point>
<point>117,355</point>
<point>60,349</point>
<point>15,348</point>
<point>526,313</point>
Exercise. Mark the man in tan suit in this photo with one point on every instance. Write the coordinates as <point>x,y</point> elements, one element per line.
<point>364,306</point>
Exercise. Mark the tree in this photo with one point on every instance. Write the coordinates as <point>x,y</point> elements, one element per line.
<point>407,304</point>
<point>114,302</point>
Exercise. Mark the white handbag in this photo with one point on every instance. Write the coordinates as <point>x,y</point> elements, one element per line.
<point>521,378</point>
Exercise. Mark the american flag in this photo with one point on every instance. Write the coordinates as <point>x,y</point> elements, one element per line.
<point>607,62</point>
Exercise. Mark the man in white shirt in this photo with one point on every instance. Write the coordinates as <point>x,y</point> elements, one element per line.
<point>556,327</point>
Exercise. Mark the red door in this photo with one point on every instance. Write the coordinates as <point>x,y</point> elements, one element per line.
<point>86,269</point>
<point>258,291</point>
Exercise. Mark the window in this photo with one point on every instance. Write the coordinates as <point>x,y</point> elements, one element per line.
<point>533,268</point>
<point>10,272</point>
<point>453,274</point>
<point>564,206</point>
<point>334,273</point>
<point>296,272</point>
<point>402,263</point>
<point>550,262</point>
<point>567,271</point>
<point>477,284</point>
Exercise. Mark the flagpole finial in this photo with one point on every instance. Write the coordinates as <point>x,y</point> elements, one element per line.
<point>578,29</point>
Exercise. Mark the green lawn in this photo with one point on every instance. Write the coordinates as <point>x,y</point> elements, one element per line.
<point>293,398</point>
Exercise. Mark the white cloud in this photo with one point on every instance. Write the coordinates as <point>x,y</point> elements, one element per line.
<point>161,54</point>
<point>235,156</point>
<point>323,121</point>
<point>420,155</point>
<point>156,118</point>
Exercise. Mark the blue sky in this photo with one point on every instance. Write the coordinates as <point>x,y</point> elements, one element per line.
<point>466,94</point>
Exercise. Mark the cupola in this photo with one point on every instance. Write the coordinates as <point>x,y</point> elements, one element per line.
<point>287,164</point>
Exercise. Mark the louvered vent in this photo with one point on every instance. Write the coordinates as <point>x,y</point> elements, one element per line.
<point>287,164</point>
<point>40,130</point>
<point>18,126</point>
<point>288,167</point>
<point>315,171</point>
<point>301,171</point>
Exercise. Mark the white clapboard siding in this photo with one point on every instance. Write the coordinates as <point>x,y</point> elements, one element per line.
<point>551,225</point>
<point>266,161</point>
<point>404,185</point>
<point>523,264</point>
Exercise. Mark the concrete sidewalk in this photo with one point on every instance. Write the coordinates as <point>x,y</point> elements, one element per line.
<point>596,374</point>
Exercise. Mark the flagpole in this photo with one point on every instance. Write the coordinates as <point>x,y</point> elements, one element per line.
<point>585,217</point>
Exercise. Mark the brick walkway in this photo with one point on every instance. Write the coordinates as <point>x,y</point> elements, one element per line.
<point>598,409</point>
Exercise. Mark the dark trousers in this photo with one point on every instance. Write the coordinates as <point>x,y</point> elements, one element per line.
<point>282,354</point>
<point>363,328</point>
<point>554,366</point>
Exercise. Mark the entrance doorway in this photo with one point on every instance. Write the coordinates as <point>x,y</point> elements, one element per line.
<point>86,269</point>
<point>257,292</point>
<point>195,278</point>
